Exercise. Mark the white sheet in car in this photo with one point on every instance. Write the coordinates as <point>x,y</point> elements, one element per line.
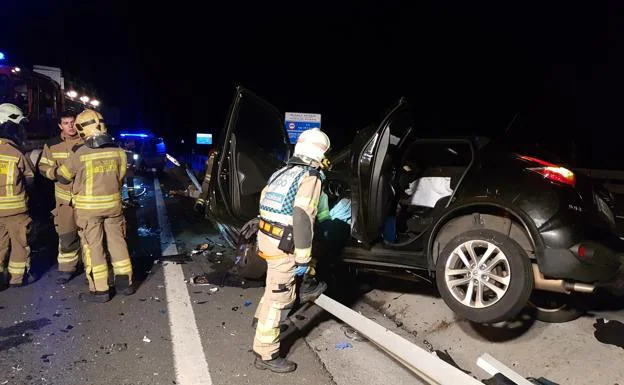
<point>426,191</point>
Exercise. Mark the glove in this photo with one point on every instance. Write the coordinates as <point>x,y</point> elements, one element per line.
<point>199,205</point>
<point>250,228</point>
<point>300,270</point>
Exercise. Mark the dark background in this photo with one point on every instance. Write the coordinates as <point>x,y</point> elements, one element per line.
<point>467,67</point>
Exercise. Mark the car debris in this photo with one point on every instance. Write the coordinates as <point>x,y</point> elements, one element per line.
<point>609,332</point>
<point>145,339</point>
<point>343,345</point>
<point>201,248</point>
<point>352,334</point>
<point>118,347</point>
<point>201,280</point>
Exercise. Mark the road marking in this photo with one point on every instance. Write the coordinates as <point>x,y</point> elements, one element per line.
<point>189,359</point>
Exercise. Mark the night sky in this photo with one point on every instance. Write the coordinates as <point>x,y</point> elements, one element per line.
<point>466,67</point>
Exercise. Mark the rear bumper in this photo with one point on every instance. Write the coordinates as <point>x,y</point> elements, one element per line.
<point>587,262</point>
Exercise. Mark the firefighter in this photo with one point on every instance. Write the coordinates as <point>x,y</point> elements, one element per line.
<point>16,171</point>
<point>55,153</point>
<point>97,169</point>
<point>288,207</point>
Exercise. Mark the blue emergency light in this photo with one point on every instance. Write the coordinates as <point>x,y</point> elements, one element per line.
<point>132,135</point>
<point>2,56</point>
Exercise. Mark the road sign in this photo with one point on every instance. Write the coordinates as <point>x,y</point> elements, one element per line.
<point>203,138</point>
<point>298,122</point>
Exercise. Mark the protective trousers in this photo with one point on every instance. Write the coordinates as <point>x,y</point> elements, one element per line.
<point>13,235</point>
<point>69,242</point>
<point>279,296</point>
<point>93,230</point>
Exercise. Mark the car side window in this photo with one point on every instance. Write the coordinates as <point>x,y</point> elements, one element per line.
<point>260,128</point>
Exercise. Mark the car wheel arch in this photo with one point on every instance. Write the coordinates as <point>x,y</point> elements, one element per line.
<point>493,216</point>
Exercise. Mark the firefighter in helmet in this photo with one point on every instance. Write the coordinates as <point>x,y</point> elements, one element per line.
<point>97,169</point>
<point>288,208</point>
<point>16,171</point>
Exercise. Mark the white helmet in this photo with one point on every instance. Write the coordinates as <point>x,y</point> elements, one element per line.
<point>10,113</point>
<point>312,144</point>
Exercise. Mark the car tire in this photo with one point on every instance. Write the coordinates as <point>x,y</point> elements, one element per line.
<point>555,307</point>
<point>495,291</point>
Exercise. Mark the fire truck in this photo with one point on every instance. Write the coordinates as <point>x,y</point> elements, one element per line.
<point>42,93</point>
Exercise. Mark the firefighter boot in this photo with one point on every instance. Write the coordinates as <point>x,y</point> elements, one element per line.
<point>95,296</point>
<point>65,276</point>
<point>123,286</point>
<point>276,365</point>
<point>310,289</point>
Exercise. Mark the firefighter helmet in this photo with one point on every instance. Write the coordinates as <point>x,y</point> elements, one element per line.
<point>312,144</point>
<point>90,123</point>
<point>11,113</point>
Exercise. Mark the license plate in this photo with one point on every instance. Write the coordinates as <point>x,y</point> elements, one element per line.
<point>605,209</point>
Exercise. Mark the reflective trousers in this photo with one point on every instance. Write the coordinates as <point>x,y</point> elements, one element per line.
<point>69,242</point>
<point>13,235</point>
<point>279,296</point>
<point>93,231</point>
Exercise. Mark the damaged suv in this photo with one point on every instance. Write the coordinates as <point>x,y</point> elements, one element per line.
<point>491,224</point>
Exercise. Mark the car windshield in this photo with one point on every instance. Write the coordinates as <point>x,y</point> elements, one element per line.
<point>144,145</point>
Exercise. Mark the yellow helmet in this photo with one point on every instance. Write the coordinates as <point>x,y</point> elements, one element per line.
<point>90,123</point>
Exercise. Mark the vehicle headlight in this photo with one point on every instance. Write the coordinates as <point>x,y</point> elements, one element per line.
<point>135,156</point>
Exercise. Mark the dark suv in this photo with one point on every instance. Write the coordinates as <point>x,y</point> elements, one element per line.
<point>490,223</point>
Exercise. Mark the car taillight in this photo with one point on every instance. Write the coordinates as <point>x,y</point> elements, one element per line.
<point>550,171</point>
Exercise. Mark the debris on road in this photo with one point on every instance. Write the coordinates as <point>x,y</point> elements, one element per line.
<point>144,231</point>
<point>343,346</point>
<point>45,358</point>
<point>145,339</point>
<point>352,334</point>
<point>201,248</point>
<point>201,280</point>
<point>609,332</point>
<point>215,242</point>
<point>119,347</point>
<point>214,289</point>
<point>247,303</point>
<point>235,308</point>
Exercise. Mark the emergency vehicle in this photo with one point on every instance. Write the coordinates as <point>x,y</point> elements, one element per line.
<point>42,93</point>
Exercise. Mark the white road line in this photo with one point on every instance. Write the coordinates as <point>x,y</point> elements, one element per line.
<point>190,362</point>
